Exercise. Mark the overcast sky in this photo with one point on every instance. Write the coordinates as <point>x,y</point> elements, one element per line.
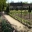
<point>19,1</point>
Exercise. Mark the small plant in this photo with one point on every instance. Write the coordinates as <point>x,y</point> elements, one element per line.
<point>25,13</point>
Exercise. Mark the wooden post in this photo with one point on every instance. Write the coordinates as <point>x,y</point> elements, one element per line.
<point>29,10</point>
<point>29,15</point>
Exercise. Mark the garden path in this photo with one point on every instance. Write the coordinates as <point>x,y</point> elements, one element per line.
<point>16,24</point>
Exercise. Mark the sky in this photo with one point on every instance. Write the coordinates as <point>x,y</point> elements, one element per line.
<point>19,1</point>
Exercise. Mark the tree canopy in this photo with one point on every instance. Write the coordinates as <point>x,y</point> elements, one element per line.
<point>2,4</point>
<point>25,2</point>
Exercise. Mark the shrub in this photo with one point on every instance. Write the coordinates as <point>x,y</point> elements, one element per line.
<point>6,27</point>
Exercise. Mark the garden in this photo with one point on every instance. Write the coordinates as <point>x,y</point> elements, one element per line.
<point>22,17</point>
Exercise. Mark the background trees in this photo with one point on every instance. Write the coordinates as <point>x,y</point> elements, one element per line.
<point>2,4</point>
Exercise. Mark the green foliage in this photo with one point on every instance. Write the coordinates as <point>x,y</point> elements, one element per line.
<point>25,2</point>
<point>13,14</point>
<point>2,4</point>
<point>25,13</point>
<point>6,27</point>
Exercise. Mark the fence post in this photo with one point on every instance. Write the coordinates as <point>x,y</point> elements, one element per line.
<point>29,15</point>
<point>29,10</point>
